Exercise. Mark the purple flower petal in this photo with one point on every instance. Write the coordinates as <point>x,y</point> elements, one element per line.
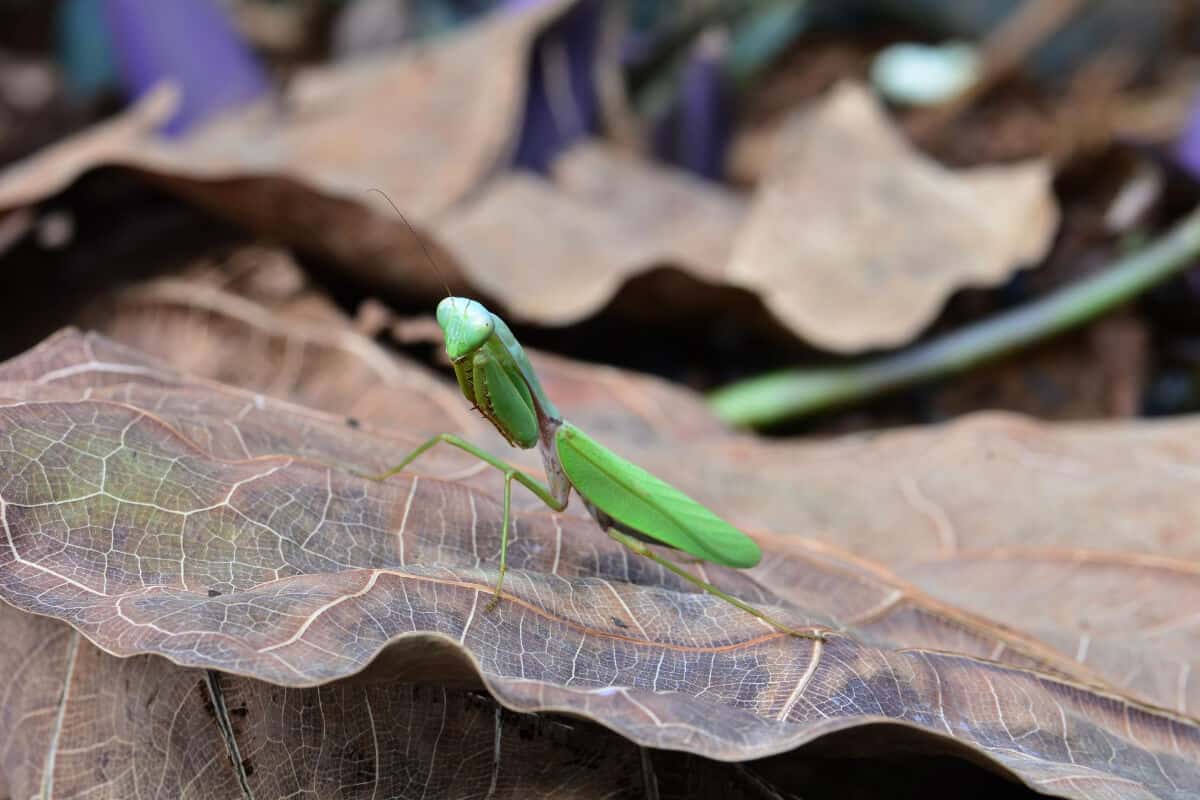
<point>561,105</point>
<point>1187,146</point>
<point>190,42</point>
<point>697,130</point>
<point>705,114</point>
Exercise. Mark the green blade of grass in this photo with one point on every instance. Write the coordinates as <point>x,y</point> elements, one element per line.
<point>788,394</point>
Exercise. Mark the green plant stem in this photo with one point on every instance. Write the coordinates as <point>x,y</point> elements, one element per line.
<point>788,394</point>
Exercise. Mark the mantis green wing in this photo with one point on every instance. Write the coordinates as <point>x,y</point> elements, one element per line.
<point>648,505</point>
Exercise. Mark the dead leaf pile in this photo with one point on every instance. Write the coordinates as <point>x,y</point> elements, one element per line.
<point>434,127</point>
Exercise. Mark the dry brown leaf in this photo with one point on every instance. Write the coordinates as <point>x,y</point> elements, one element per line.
<point>987,489</point>
<point>318,573</point>
<point>550,251</point>
<point>992,483</point>
<point>426,126</point>
<point>557,252</point>
<point>855,240</point>
<point>1130,617</point>
<point>78,722</point>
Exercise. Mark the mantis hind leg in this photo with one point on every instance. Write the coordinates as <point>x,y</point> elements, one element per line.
<point>641,549</point>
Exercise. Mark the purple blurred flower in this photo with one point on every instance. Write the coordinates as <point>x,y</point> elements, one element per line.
<point>1187,146</point>
<point>190,42</point>
<point>1187,155</point>
<point>562,104</point>
<point>696,132</point>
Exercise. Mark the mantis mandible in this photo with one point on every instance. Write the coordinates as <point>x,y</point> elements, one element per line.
<point>630,504</point>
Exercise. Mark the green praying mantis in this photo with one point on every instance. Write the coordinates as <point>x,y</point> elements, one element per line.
<point>631,505</point>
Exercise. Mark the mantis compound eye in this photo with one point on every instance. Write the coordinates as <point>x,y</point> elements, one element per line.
<point>465,325</point>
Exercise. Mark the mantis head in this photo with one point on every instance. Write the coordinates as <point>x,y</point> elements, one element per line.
<point>465,325</point>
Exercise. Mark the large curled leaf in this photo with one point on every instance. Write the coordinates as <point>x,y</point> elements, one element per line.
<point>78,722</point>
<point>856,240</point>
<point>907,499</point>
<point>166,515</point>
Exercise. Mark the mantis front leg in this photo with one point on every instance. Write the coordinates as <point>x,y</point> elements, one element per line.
<point>510,472</point>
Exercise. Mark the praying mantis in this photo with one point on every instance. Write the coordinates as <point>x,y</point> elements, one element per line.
<point>631,505</point>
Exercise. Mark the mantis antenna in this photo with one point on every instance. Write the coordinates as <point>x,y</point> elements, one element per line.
<point>416,236</point>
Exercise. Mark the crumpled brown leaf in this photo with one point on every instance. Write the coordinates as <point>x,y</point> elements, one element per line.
<point>855,240</point>
<point>78,722</point>
<point>276,566</point>
<point>919,501</point>
<point>557,252</point>
<point>426,125</point>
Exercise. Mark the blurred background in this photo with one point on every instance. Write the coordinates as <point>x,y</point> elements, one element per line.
<point>710,191</point>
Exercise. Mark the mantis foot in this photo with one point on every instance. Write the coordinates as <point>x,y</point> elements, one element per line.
<point>491,606</point>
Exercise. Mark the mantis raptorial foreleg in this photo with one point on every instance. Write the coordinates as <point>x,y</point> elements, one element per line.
<point>510,472</point>
<point>641,549</point>
<point>529,482</point>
